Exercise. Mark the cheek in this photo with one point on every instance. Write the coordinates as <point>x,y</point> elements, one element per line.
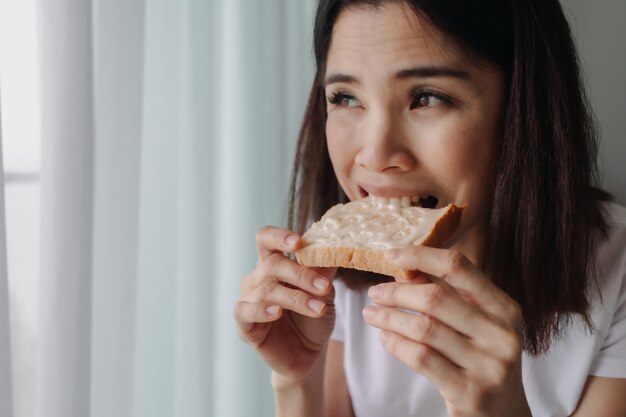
<point>341,139</point>
<point>338,141</point>
<point>334,138</point>
<point>468,152</point>
<point>472,155</point>
<point>473,145</point>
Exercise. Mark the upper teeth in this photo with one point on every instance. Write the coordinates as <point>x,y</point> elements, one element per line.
<point>394,202</point>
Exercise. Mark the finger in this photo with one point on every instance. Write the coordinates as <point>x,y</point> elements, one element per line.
<point>273,293</point>
<point>328,272</point>
<point>253,321</point>
<point>272,239</point>
<point>443,304</point>
<point>280,268</point>
<point>246,314</point>
<point>456,270</point>
<point>414,277</point>
<point>426,330</point>
<point>448,378</point>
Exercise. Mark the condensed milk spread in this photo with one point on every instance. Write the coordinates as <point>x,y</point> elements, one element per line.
<point>373,222</point>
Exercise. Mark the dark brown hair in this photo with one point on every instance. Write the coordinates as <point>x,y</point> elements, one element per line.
<point>546,213</point>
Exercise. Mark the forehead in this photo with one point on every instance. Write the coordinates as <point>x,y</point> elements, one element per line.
<point>392,33</point>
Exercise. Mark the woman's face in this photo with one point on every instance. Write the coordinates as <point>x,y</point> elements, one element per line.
<point>410,115</point>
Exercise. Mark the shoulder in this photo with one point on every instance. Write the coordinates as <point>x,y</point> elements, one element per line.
<point>611,252</point>
<point>609,308</point>
<point>612,245</point>
<point>615,214</point>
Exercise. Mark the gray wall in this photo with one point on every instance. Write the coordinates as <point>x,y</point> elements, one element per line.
<point>601,35</point>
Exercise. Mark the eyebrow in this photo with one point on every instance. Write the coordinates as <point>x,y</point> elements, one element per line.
<point>419,72</point>
<point>424,72</point>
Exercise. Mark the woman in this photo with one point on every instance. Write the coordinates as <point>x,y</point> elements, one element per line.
<point>524,311</point>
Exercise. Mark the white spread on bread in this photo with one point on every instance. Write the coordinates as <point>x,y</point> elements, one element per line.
<point>374,222</point>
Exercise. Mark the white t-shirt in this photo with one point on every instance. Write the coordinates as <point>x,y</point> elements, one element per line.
<point>380,385</point>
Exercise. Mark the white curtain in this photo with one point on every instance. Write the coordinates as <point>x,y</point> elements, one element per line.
<point>168,132</point>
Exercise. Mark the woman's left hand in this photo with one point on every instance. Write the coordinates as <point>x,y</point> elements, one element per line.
<point>466,338</point>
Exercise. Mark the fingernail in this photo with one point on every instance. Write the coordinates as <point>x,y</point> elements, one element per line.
<point>291,240</point>
<point>315,305</point>
<point>375,291</point>
<point>392,253</point>
<point>320,283</point>
<point>369,312</point>
<point>272,310</point>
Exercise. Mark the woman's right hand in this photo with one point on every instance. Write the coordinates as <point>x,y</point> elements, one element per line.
<point>285,310</point>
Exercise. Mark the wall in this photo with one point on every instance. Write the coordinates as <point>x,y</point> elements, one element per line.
<point>601,37</point>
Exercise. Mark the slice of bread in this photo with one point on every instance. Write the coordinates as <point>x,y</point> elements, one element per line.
<point>357,234</point>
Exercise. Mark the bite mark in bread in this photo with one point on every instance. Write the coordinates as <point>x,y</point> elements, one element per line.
<point>357,234</point>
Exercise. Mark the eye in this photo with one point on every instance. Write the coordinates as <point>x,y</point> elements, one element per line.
<point>343,100</point>
<point>423,99</point>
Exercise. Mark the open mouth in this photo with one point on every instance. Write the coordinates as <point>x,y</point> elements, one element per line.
<point>425,201</point>
<point>429,201</point>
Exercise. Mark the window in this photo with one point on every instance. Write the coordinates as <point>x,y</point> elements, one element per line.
<point>21,147</point>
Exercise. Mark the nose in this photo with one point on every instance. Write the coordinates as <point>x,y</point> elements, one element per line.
<point>384,146</point>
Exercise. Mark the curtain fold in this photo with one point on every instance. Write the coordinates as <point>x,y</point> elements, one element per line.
<point>6,376</point>
<point>118,28</point>
<point>65,287</point>
<point>172,369</point>
<point>169,128</point>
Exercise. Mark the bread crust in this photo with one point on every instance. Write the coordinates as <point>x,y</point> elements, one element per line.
<point>374,260</point>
